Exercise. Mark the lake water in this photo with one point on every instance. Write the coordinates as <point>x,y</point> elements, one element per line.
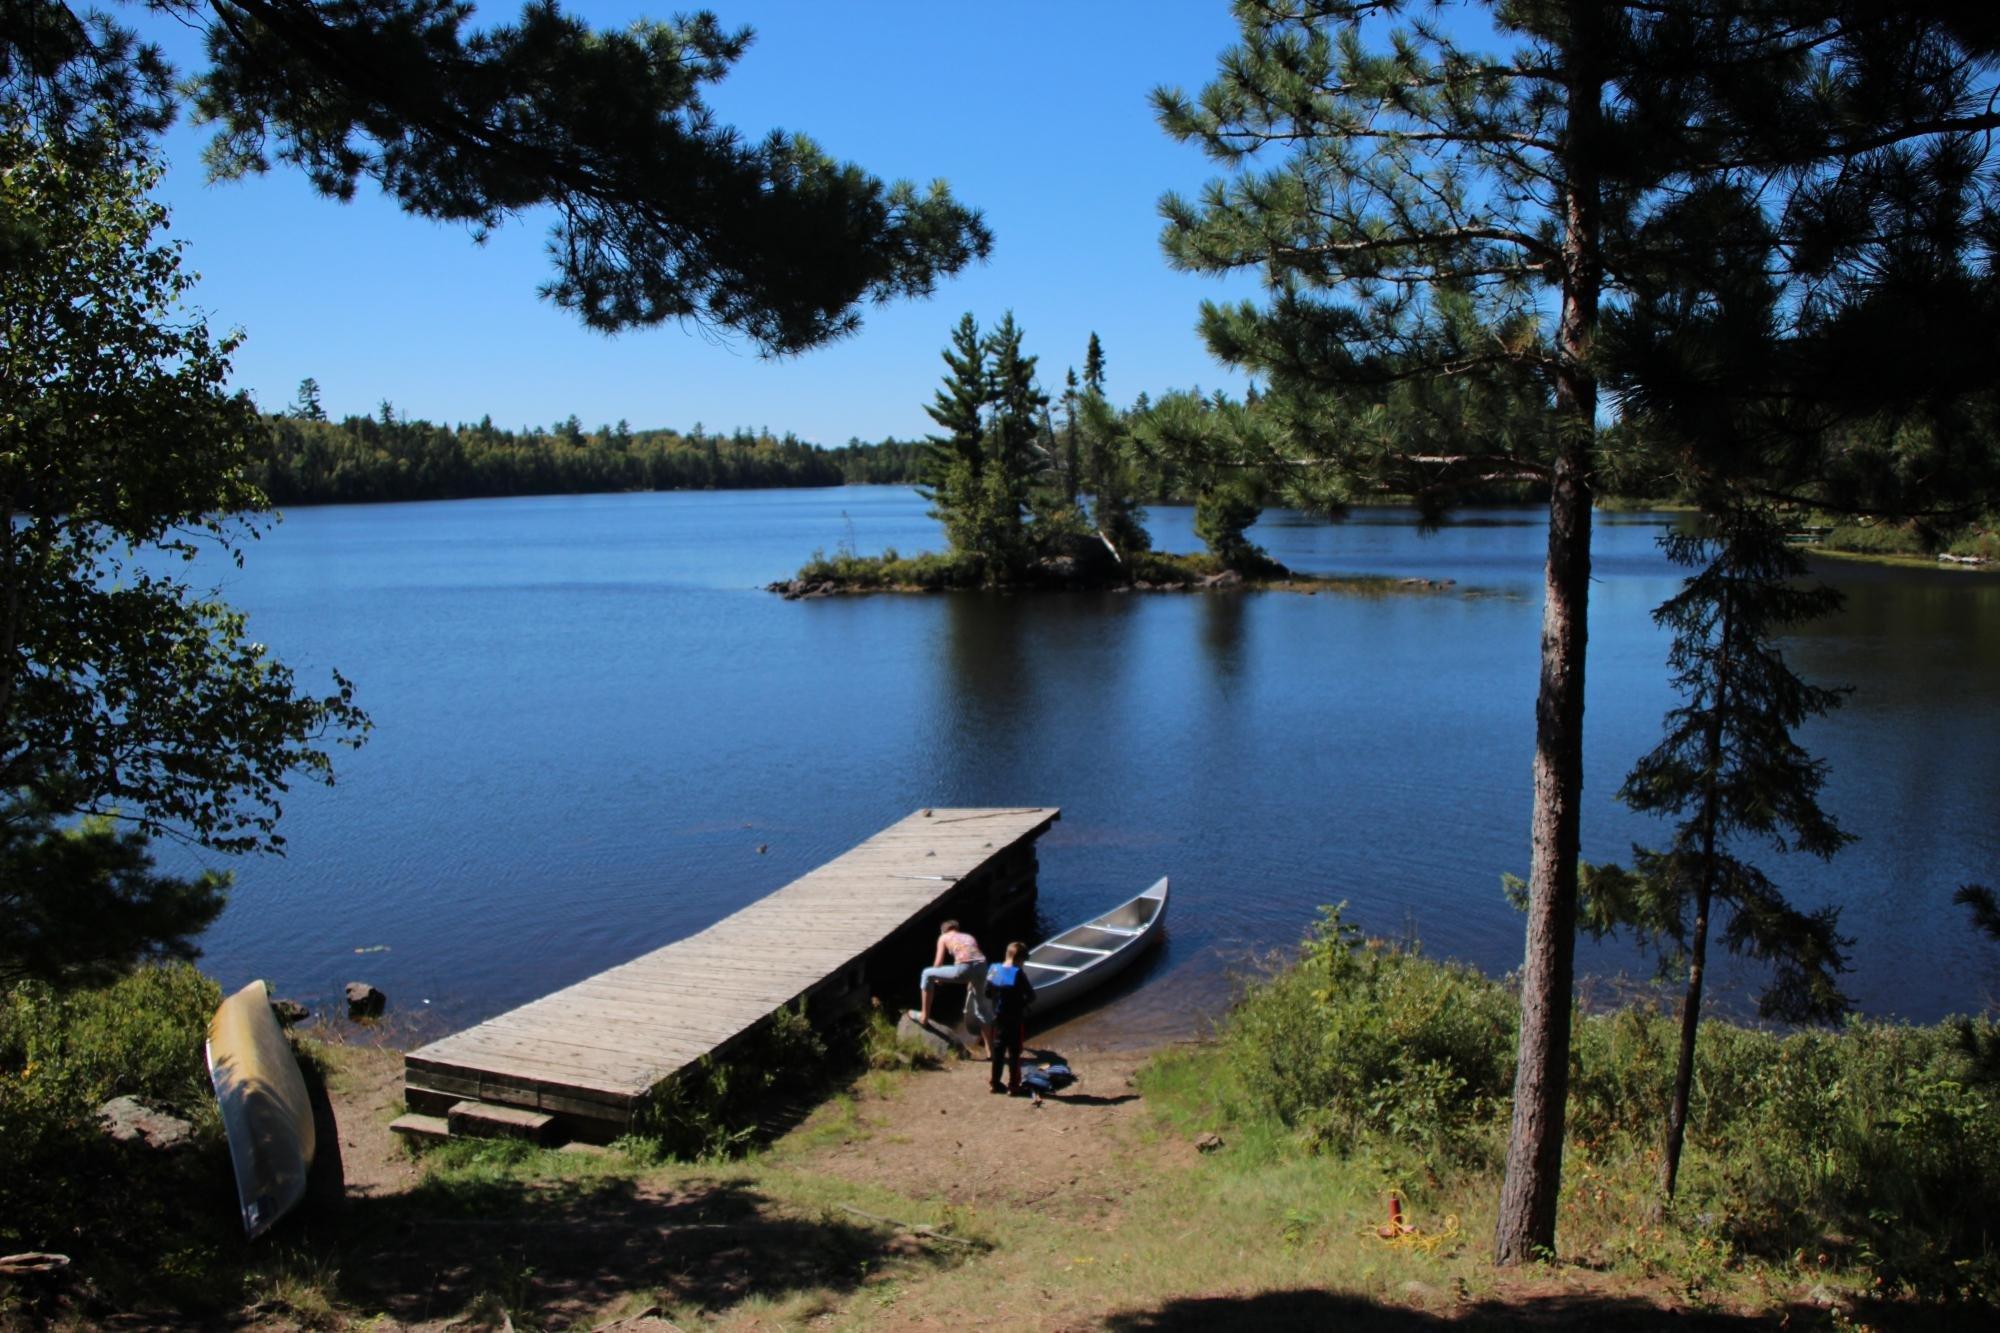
<point>589,720</point>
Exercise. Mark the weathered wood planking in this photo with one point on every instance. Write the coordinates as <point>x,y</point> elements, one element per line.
<point>593,1052</point>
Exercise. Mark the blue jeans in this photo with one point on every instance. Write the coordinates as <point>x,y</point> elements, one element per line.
<point>974,977</point>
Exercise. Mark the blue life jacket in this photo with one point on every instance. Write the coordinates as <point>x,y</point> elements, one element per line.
<point>1002,975</point>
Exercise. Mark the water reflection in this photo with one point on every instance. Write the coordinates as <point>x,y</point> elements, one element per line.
<point>1223,616</point>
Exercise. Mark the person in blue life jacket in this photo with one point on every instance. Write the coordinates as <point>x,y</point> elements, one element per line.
<point>1009,993</point>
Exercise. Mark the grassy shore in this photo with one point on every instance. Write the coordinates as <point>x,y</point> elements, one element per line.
<point>1897,543</point>
<point>1835,1180</point>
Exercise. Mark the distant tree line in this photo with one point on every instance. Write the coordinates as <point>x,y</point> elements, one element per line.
<point>308,459</point>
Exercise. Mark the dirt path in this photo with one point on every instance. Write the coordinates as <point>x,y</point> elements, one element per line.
<point>945,1135</point>
<point>365,1085</point>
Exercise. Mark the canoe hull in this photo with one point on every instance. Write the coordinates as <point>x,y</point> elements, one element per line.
<point>1097,950</point>
<point>266,1110</point>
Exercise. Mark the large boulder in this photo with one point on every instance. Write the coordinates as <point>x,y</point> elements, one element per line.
<point>943,1043</point>
<point>129,1120</point>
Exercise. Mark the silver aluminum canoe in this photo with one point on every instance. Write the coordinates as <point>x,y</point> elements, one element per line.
<point>1084,957</point>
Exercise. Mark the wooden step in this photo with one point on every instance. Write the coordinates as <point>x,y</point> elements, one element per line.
<point>421,1126</point>
<point>485,1120</point>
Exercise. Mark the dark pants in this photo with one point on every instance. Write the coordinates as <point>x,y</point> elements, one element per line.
<point>1009,1035</point>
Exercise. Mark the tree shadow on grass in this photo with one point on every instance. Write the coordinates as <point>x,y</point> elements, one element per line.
<point>565,1248</point>
<point>1284,1311</point>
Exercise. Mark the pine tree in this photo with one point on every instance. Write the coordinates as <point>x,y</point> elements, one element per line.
<point>1112,477</point>
<point>663,213</point>
<point>1108,467</point>
<point>83,902</point>
<point>1204,437</point>
<point>1441,230</point>
<point>1729,767</point>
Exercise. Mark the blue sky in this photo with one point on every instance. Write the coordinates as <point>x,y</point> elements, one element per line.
<point>1036,113</point>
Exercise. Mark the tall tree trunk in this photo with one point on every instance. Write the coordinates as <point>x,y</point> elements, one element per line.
<point>1527,1224</point>
<point>1526,1230</point>
<point>1670,1161</point>
<point>1711,813</point>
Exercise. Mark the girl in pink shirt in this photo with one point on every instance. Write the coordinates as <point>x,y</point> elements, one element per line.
<point>967,964</point>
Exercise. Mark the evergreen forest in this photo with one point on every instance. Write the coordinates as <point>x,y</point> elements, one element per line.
<point>308,459</point>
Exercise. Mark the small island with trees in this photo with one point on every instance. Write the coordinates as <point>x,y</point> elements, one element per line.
<point>1030,502</point>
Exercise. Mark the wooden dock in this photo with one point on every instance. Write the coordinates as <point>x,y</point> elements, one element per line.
<point>589,1056</point>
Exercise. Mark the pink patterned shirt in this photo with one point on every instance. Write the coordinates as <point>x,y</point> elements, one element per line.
<point>962,947</point>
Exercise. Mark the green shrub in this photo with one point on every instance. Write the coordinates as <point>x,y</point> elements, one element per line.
<point>926,570</point>
<point>149,1226</point>
<point>884,1047</point>
<point>62,1054</point>
<point>1876,1145</point>
<point>1166,567</point>
<point>1360,1038</point>
<point>710,1110</point>
<point>1875,539</point>
<point>1879,1137</point>
<point>1981,539</point>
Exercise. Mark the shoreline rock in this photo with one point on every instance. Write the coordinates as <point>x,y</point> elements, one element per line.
<point>129,1120</point>
<point>364,1001</point>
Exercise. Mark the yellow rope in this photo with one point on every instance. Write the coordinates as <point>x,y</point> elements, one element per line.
<point>1430,1242</point>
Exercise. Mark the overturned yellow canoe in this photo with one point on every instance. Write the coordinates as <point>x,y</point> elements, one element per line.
<point>265,1108</point>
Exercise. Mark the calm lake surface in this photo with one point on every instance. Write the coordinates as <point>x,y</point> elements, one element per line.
<point>589,720</point>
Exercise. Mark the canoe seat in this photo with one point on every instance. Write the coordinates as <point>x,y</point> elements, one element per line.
<point>1053,967</point>
<point>1119,930</point>
<point>1081,948</point>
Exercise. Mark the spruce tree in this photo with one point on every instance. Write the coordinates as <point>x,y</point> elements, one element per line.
<point>951,463</point>
<point>307,407</point>
<point>1440,232</point>
<point>1013,458</point>
<point>1071,448</point>
<point>1730,769</point>
<point>663,213</point>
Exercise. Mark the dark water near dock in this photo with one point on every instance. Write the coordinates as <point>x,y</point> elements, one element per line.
<point>590,720</point>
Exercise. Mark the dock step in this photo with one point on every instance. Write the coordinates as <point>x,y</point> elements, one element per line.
<point>485,1120</point>
<point>421,1126</point>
